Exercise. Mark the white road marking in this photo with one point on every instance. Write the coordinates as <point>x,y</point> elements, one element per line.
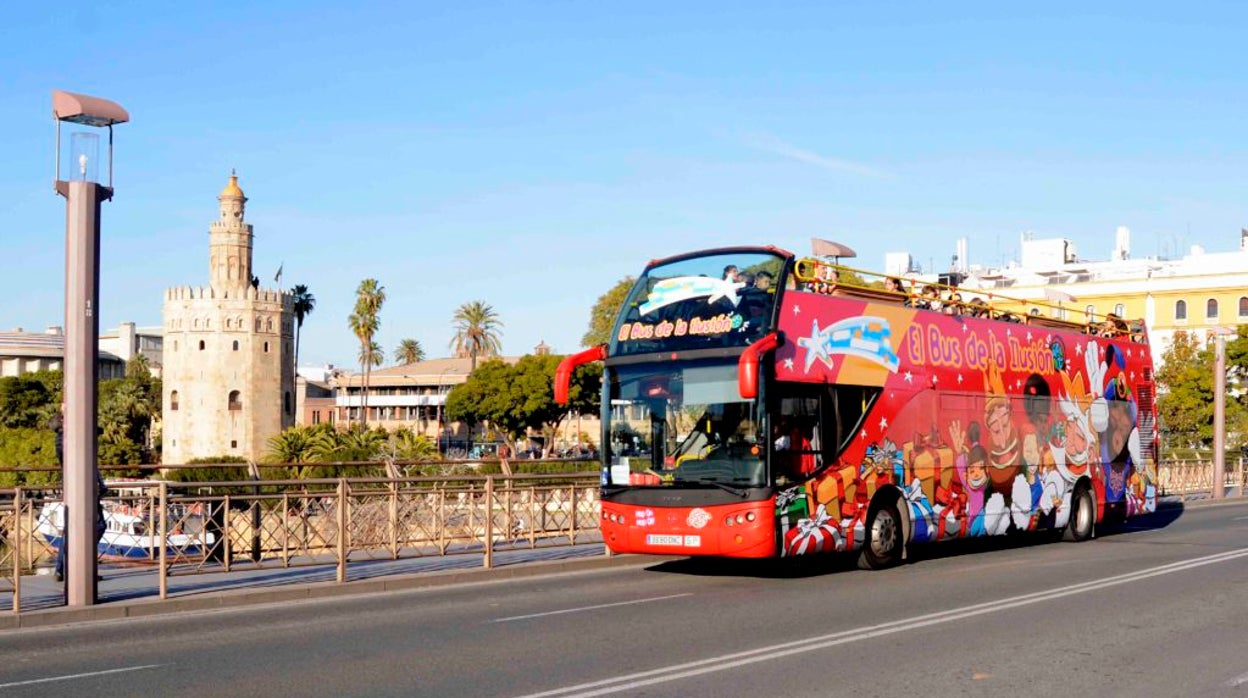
<point>631,682</point>
<point>1240,518</point>
<point>588,608</point>
<point>71,677</point>
<point>1237,681</point>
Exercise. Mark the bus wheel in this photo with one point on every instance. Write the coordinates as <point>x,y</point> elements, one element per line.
<point>882,547</point>
<point>1082,515</point>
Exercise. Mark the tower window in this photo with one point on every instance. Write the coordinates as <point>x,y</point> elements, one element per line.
<point>201,345</point>
<point>173,401</point>
<point>1180,310</point>
<point>1120,310</point>
<point>236,345</point>
<point>1211,308</point>
<point>233,443</point>
<point>286,402</point>
<point>1243,306</point>
<point>236,400</point>
<point>266,347</point>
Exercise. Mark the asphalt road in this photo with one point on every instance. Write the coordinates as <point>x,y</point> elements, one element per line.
<point>1156,608</point>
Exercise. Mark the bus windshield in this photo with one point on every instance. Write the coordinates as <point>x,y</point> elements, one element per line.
<point>684,425</point>
<point>722,299</point>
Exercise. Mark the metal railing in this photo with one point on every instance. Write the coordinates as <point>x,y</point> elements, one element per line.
<point>215,527</point>
<point>1186,478</point>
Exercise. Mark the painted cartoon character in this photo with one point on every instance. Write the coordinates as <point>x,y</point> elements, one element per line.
<point>1006,457</point>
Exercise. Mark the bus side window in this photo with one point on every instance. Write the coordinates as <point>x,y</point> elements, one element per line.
<point>850,405</point>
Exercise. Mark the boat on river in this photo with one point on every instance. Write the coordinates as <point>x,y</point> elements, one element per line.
<point>130,533</point>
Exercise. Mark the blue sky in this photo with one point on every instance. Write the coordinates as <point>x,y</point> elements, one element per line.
<point>530,155</point>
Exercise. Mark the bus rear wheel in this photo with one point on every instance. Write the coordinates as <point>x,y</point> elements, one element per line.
<point>1082,522</point>
<point>882,547</point>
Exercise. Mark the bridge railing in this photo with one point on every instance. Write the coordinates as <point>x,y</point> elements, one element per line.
<point>215,527</point>
<point>1187,478</point>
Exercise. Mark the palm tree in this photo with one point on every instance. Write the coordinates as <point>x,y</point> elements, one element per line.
<point>477,331</point>
<point>409,351</point>
<point>369,297</point>
<point>305,302</point>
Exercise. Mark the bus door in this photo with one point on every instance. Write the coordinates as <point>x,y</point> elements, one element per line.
<point>811,424</point>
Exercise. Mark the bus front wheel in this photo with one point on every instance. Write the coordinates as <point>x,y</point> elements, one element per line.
<point>882,547</point>
<point>1082,515</point>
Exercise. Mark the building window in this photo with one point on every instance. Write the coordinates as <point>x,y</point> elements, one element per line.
<point>257,324</point>
<point>266,347</point>
<point>1120,310</point>
<point>233,443</point>
<point>1211,308</point>
<point>197,323</point>
<point>236,345</point>
<point>270,325</point>
<point>1090,310</point>
<point>286,402</point>
<point>173,401</point>
<point>236,400</point>
<point>201,345</point>
<point>175,345</point>
<point>1180,310</point>
<point>1243,306</point>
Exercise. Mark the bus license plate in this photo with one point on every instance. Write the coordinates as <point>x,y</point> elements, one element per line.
<point>673,540</point>
<point>659,539</point>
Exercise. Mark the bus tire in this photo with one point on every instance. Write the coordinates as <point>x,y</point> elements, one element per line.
<point>883,544</point>
<point>1082,523</point>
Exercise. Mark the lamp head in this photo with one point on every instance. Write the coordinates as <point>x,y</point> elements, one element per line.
<point>87,111</point>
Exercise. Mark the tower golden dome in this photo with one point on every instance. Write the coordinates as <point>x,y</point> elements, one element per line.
<point>232,189</point>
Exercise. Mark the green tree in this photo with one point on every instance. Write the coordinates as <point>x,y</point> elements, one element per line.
<point>24,402</point>
<point>519,398</point>
<point>365,321</point>
<point>477,331</point>
<point>1185,396</point>
<point>606,309</point>
<point>409,351</point>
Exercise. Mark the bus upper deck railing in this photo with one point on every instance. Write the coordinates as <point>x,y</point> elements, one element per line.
<point>819,276</point>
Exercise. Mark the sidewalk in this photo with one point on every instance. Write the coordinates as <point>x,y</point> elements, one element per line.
<point>131,591</point>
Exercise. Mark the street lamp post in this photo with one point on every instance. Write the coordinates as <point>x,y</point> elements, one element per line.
<point>83,195</point>
<point>1219,411</point>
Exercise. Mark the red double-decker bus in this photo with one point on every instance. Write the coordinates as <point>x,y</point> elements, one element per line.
<point>755,406</point>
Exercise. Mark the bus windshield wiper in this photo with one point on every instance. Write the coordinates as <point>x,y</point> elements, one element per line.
<point>720,485</point>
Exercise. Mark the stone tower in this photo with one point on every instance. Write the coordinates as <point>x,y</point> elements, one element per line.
<point>228,351</point>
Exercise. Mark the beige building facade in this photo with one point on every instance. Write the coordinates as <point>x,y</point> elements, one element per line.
<point>228,351</point>
<point>1193,293</point>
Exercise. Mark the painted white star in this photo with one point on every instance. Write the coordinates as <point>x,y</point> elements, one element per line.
<point>1008,332</point>
<point>862,434</point>
<point>1028,336</point>
<point>965,328</point>
<point>935,380</point>
<point>959,379</point>
<point>909,377</point>
<point>745,325</point>
<point>788,364</point>
<point>883,423</point>
<point>816,345</point>
<point>1079,349</point>
<point>796,308</point>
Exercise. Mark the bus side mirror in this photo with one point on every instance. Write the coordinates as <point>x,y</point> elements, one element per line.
<point>563,374</point>
<point>747,365</point>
